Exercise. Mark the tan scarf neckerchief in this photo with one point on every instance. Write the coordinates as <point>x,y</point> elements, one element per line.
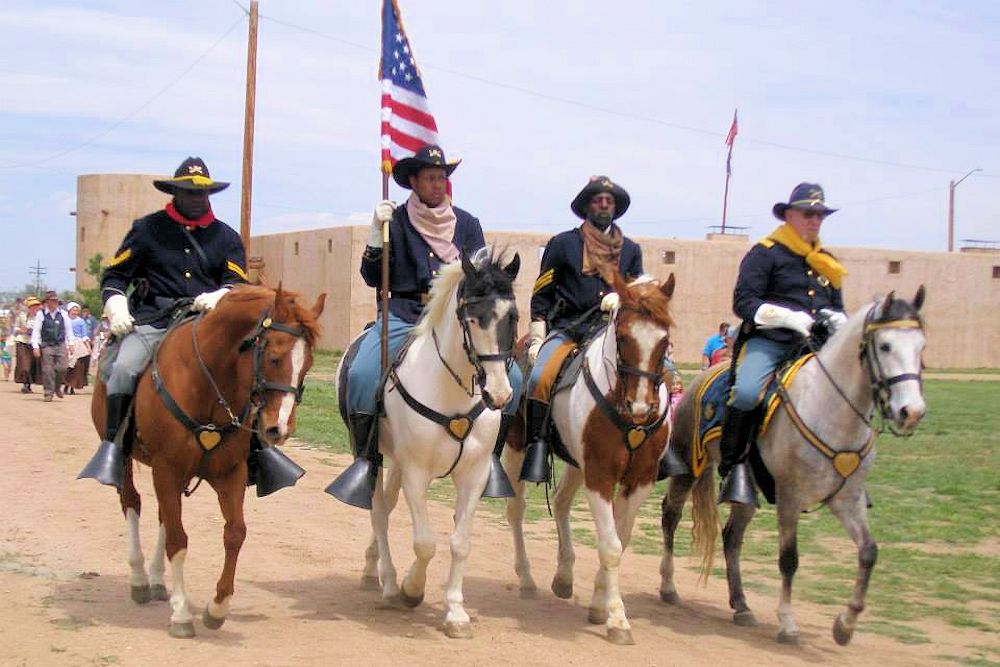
<point>436,226</point>
<point>600,249</point>
<point>820,262</point>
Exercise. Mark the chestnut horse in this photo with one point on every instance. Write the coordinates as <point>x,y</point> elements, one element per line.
<point>613,423</point>
<point>244,359</point>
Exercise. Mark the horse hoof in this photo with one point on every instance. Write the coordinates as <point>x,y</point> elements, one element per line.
<point>457,630</point>
<point>620,637</point>
<point>370,583</point>
<point>745,619</point>
<point>841,633</point>
<point>211,622</point>
<point>597,616</point>
<point>410,600</point>
<point>785,637</point>
<point>141,594</point>
<point>563,589</point>
<point>159,592</point>
<point>182,630</point>
<point>670,597</point>
<point>528,592</point>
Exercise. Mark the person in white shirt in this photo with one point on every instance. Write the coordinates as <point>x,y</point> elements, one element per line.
<point>51,336</point>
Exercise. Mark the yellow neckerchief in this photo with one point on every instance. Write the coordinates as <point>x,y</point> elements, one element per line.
<point>821,262</point>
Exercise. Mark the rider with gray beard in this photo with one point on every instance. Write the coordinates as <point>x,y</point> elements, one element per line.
<point>571,297</point>
<point>786,281</point>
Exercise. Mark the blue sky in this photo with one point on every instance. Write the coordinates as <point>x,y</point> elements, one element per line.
<point>881,102</point>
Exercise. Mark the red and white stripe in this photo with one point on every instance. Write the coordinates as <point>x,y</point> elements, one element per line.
<point>407,123</point>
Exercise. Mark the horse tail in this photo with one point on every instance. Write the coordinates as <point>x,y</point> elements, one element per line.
<point>705,517</point>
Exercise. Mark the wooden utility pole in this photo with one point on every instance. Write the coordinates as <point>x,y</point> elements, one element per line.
<point>248,127</point>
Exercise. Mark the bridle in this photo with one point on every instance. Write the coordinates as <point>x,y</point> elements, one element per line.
<point>655,377</point>
<point>471,353</point>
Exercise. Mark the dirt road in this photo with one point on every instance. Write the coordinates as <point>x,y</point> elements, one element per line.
<point>65,589</point>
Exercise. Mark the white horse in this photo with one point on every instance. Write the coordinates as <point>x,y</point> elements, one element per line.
<point>442,416</point>
<point>613,424</point>
<point>818,446</point>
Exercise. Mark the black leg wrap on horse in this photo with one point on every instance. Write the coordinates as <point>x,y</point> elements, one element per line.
<point>536,460</point>
<point>498,485</point>
<point>108,464</point>
<point>356,485</point>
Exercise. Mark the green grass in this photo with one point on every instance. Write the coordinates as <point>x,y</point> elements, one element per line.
<point>936,519</point>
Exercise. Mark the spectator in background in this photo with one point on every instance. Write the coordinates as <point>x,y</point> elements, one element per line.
<point>79,356</point>
<point>26,368</point>
<point>51,335</point>
<point>726,351</point>
<point>91,321</point>
<point>6,343</point>
<point>714,343</point>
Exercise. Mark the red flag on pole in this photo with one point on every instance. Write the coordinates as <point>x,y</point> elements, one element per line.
<point>730,139</point>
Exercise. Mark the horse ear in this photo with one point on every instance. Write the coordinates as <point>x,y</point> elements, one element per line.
<point>317,308</point>
<point>668,287</point>
<point>514,266</point>
<point>467,267</point>
<point>918,300</point>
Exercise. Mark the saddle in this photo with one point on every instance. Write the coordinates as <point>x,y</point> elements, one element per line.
<point>711,400</point>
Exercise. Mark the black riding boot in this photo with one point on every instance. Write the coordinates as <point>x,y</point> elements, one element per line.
<point>108,464</point>
<point>356,485</point>
<point>737,483</point>
<point>536,460</point>
<point>498,484</point>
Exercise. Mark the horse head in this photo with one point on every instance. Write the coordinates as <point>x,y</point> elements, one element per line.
<point>282,356</point>
<point>487,313</point>
<point>642,329</point>
<point>891,350</point>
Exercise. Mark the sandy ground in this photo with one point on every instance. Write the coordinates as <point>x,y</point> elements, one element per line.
<point>64,584</point>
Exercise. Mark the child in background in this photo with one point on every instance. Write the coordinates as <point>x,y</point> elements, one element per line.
<point>5,346</point>
<point>676,392</point>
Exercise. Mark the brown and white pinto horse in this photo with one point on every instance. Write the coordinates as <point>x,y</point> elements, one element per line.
<point>613,423</point>
<point>247,357</point>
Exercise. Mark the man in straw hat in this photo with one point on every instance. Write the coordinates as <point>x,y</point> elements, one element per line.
<point>50,336</point>
<point>425,233</point>
<point>26,369</point>
<point>572,284</point>
<point>786,282</point>
<point>180,251</point>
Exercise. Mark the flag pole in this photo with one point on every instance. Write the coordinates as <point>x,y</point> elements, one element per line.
<point>384,284</point>
<point>725,193</point>
<point>248,121</point>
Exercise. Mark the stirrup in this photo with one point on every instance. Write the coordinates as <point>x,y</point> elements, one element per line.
<point>737,487</point>
<point>275,471</point>
<point>107,465</point>
<point>356,485</point>
<point>672,465</point>
<point>536,463</point>
<point>498,485</point>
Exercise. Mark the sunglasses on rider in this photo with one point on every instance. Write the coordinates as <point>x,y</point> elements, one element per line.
<point>813,213</point>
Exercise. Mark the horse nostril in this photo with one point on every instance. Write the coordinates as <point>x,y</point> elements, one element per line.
<point>272,434</point>
<point>904,413</point>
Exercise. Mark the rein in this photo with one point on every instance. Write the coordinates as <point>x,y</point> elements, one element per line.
<point>210,435</point>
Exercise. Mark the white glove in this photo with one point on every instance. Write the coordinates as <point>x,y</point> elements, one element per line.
<point>116,308</point>
<point>382,215</point>
<point>835,318</point>
<point>610,302</point>
<point>536,336</point>
<point>208,300</point>
<point>771,316</point>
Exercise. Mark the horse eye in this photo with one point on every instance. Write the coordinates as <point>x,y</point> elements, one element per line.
<point>474,320</point>
<point>885,347</point>
<point>275,361</point>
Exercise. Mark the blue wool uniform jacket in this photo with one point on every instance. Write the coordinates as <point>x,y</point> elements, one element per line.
<point>157,252</point>
<point>412,263</point>
<point>771,273</point>
<point>562,293</point>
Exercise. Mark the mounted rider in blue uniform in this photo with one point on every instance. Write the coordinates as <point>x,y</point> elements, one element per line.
<point>425,233</point>
<point>181,251</point>
<point>571,297</point>
<point>786,281</point>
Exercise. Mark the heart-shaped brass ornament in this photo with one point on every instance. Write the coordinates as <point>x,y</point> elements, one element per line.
<point>636,437</point>
<point>209,438</point>
<point>459,427</point>
<point>846,463</point>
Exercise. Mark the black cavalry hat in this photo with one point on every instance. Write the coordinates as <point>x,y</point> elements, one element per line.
<point>597,185</point>
<point>428,156</point>
<point>191,175</point>
<point>805,196</point>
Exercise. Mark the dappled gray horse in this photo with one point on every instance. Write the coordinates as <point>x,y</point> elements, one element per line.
<point>818,446</point>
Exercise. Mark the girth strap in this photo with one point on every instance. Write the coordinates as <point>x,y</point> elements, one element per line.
<point>634,435</point>
<point>457,426</point>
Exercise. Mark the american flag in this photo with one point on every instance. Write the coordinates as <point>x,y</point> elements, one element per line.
<point>407,123</point>
<point>730,139</point>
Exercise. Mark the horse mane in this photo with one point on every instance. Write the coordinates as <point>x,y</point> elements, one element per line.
<point>644,293</point>
<point>444,285</point>
<point>288,309</point>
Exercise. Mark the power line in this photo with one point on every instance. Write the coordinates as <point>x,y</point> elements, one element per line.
<point>114,126</point>
<point>621,114</point>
